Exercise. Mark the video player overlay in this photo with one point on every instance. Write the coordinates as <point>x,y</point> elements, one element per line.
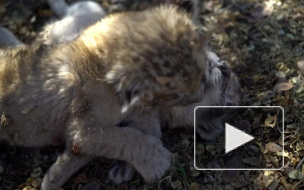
<point>253,139</point>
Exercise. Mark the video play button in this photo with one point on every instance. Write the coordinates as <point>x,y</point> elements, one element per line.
<point>234,149</point>
<point>235,138</point>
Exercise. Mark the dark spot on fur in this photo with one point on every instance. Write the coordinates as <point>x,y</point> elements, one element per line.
<point>204,79</point>
<point>128,96</point>
<point>156,66</point>
<point>185,74</point>
<point>171,74</point>
<point>167,64</point>
<point>135,92</point>
<point>175,96</point>
<point>34,108</point>
<point>124,123</point>
<point>136,59</point>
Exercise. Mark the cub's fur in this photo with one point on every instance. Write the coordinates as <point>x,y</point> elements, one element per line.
<point>80,91</point>
<point>209,124</point>
<point>74,18</point>
<point>217,93</point>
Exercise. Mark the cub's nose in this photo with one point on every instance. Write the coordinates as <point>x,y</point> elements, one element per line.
<point>225,68</point>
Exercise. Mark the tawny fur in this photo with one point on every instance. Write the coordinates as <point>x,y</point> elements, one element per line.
<point>209,125</point>
<point>80,91</point>
<point>74,18</point>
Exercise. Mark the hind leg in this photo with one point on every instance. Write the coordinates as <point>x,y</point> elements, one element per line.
<point>121,171</point>
<point>65,166</point>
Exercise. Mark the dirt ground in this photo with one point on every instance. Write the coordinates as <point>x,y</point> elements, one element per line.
<point>263,40</point>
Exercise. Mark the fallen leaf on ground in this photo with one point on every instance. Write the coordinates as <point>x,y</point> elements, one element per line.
<point>273,147</point>
<point>200,149</point>
<point>36,172</point>
<point>81,178</point>
<point>177,184</point>
<point>231,175</point>
<point>300,146</point>
<point>285,183</point>
<point>295,174</point>
<point>300,65</point>
<point>282,86</point>
<point>252,161</point>
<point>194,186</point>
<point>92,186</point>
<point>270,121</point>
<point>273,184</point>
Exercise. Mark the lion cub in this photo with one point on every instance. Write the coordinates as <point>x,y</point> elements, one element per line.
<point>79,91</point>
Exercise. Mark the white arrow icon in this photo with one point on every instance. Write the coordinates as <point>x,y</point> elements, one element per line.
<point>235,138</point>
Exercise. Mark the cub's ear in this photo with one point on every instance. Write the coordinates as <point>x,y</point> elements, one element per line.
<point>190,6</point>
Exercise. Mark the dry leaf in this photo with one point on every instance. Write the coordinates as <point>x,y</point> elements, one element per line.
<point>27,188</point>
<point>81,178</point>
<point>273,147</point>
<point>282,67</point>
<point>185,142</point>
<point>284,182</point>
<point>92,186</point>
<point>244,125</point>
<point>36,172</point>
<point>177,184</point>
<point>194,186</point>
<point>300,146</point>
<point>270,121</point>
<point>273,185</point>
<point>269,179</point>
<point>163,80</point>
<point>285,154</point>
<point>263,11</point>
<point>295,174</point>
<point>200,149</point>
<point>252,161</point>
<point>282,86</point>
<point>231,175</point>
<point>300,65</point>
<point>195,173</point>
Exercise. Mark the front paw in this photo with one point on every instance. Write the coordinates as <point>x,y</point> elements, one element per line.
<point>121,171</point>
<point>51,178</point>
<point>154,161</point>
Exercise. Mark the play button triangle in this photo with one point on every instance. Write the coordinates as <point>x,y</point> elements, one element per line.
<point>235,138</point>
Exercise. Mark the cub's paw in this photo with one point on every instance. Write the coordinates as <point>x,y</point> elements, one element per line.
<point>66,165</point>
<point>153,161</point>
<point>52,178</point>
<point>121,171</point>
